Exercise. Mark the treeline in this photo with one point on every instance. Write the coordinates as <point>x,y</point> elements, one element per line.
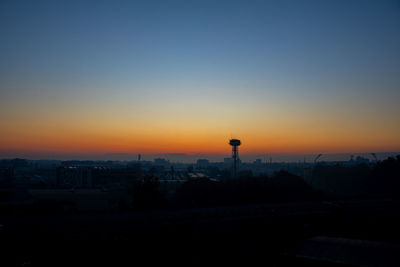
<point>280,187</point>
<point>360,181</point>
<point>365,180</point>
<point>380,180</point>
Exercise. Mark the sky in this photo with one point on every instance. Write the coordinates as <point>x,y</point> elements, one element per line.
<point>286,77</point>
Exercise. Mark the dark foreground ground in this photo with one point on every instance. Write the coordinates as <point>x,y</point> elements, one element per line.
<point>347,233</point>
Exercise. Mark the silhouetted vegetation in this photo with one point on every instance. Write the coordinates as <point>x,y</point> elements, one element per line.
<point>387,175</point>
<point>282,186</point>
<point>378,180</point>
<point>146,194</point>
<point>342,180</point>
<point>363,180</point>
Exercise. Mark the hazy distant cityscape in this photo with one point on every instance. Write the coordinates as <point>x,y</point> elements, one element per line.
<point>54,179</point>
<point>192,158</point>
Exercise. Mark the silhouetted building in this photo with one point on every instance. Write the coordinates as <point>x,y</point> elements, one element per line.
<point>228,162</point>
<point>74,177</point>
<point>362,160</point>
<point>258,162</point>
<point>202,163</point>
<point>161,162</point>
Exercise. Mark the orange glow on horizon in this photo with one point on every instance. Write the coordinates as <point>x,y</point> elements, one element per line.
<point>194,130</point>
<point>188,144</point>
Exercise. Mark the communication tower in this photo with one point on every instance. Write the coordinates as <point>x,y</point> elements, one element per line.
<point>235,143</point>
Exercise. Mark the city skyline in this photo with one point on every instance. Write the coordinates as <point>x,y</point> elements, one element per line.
<point>184,77</point>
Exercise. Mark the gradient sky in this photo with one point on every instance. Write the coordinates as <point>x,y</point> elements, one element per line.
<point>87,77</point>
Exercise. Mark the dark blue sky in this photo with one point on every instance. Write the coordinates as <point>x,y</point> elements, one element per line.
<point>249,38</point>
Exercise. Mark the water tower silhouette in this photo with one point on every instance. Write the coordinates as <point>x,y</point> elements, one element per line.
<point>235,154</point>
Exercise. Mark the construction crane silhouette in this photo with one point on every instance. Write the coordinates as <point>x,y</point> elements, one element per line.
<point>317,157</point>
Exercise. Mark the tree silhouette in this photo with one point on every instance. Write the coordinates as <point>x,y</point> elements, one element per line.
<point>146,194</point>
